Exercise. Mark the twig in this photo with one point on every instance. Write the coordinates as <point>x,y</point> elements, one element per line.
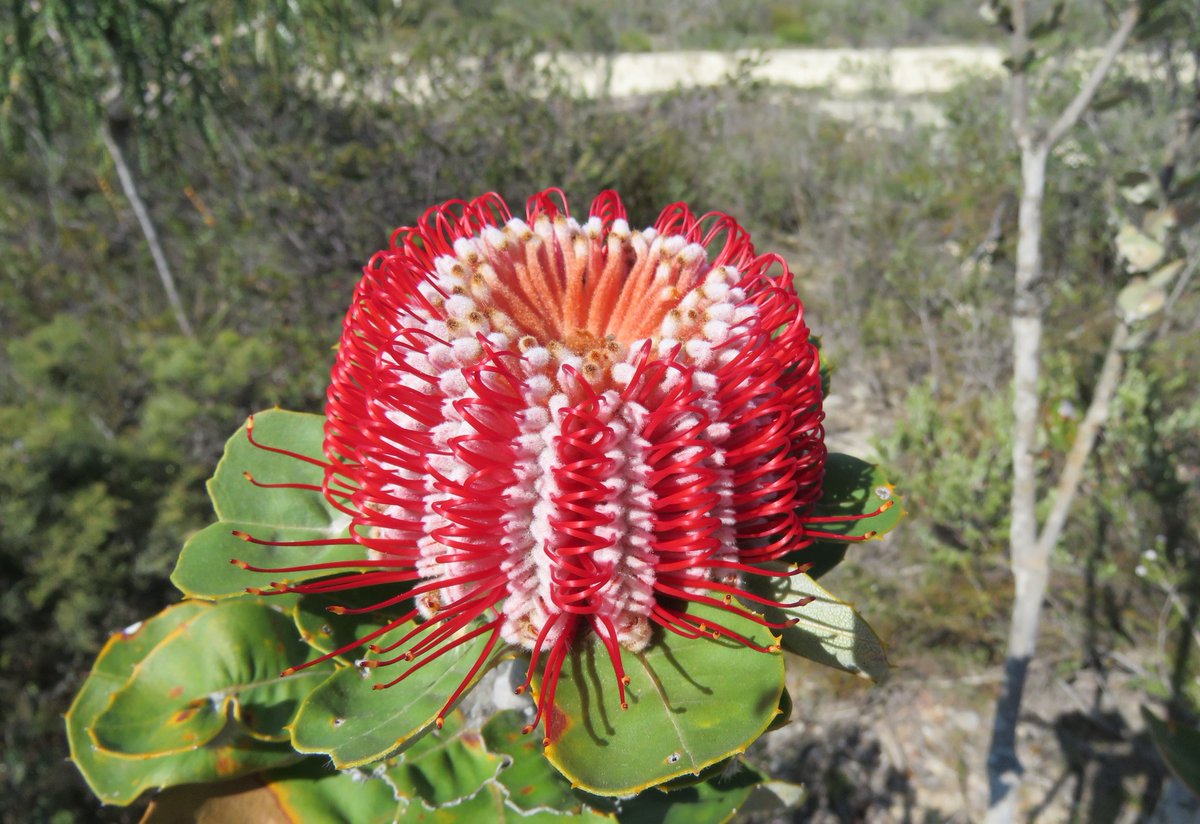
<point>1085,440</point>
<point>147,226</point>
<point>1070,115</point>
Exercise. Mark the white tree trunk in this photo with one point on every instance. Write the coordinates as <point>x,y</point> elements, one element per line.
<point>1029,551</point>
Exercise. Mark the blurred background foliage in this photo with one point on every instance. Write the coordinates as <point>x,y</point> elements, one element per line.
<point>269,195</point>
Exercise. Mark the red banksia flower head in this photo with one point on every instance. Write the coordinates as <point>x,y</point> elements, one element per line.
<point>553,427</point>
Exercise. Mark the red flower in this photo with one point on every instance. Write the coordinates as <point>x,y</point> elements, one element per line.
<point>557,428</point>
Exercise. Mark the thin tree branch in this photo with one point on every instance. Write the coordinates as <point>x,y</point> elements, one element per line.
<point>1070,115</point>
<point>1019,102</point>
<point>129,186</point>
<point>1085,440</point>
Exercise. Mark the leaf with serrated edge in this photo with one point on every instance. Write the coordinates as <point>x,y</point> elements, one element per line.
<point>268,514</point>
<point>489,805</point>
<point>120,780</point>
<point>313,792</point>
<point>226,662</point>
<point>355,724</point>
<point>530,780</point>
<point>828,630</point>
<point>302,794</point>
<point>679,720</point>
<point>445,766</point>
<point>712,801</point>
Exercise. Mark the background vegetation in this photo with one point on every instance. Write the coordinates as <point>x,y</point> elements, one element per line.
<point>268,197</point>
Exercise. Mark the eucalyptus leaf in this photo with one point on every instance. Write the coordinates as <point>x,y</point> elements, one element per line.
<point>121,780</point>
<point>679,719</point>
<point>224,664</point>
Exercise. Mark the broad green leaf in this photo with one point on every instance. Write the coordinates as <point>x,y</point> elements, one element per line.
<point>851,487</point>
<point>679,719</point>
<point>828,630</point>
<point>266,514</point>
<point>529,779</point>
<point>120,780</point>
<point>713,801</point>
<point>308,793</point>
<point>224,663</point>
<point>327,632</point>
<point>1179,748</point>
<point>205,568</point>
<point>314,792</point>
<point>445,766</point>
<point>356,724</point>
<point>236,499</point>
<point>489,805</point>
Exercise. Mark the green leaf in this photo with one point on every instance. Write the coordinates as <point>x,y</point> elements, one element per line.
<point>326,632</point>
<point>445,766</point>
<point>204,569</point>
<point>356,724</point>
<point>1179,748</point>
<point>529,779</point>
<point>267,514</point>
<point>828,631</point>
<point>1139,250</point>
<point>308,792</point>
<point>707,802</point>
<point>851,487</point>
<point>224,663</point>
<point>490,805</point>
<point>235,499</point>
<point>119,779</point>
<point>312,792</point>
<point>679,719</point>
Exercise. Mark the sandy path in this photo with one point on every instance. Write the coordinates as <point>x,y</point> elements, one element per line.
<point>906,71</point>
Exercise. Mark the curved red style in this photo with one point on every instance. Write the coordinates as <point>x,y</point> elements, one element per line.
<point>545,429</point>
